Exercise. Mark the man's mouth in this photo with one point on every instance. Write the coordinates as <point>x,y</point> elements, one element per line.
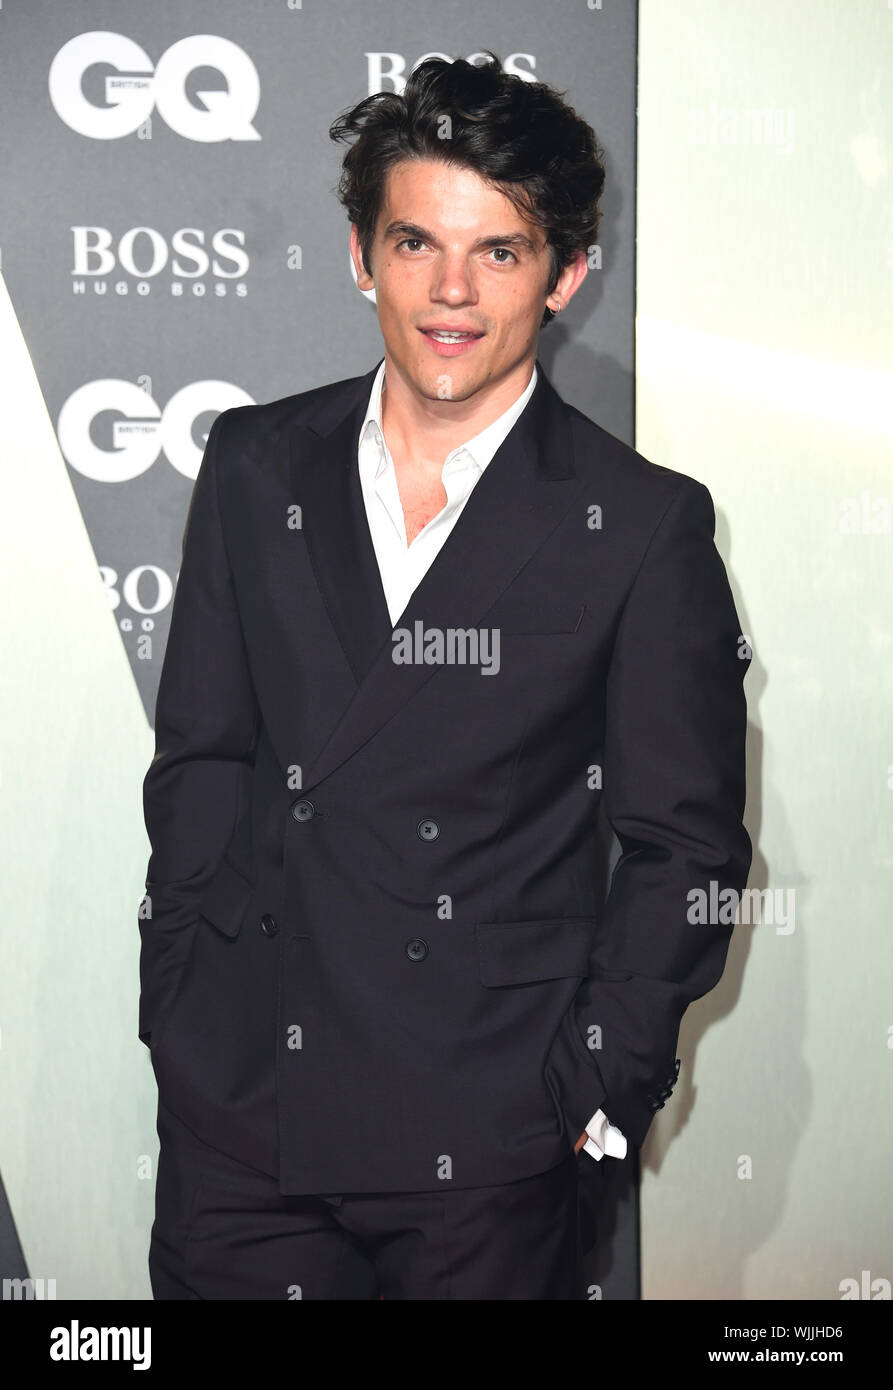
<point>442,336</point>
<point>449,342</point>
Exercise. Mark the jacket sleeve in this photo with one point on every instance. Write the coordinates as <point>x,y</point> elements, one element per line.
<point>674,794</point>
<point>206,726</point>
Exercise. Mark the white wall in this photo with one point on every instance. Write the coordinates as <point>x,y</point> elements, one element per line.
<point>79,1175</point>
<point>765,258</point>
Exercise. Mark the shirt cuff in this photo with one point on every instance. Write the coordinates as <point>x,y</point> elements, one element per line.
<point>604,1138</point>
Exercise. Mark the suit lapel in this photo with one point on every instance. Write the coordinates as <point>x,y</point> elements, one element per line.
<point>326,483</point>
<point>514,506</point>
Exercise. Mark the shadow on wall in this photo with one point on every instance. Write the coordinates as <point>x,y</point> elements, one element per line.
<point>777,1048</point>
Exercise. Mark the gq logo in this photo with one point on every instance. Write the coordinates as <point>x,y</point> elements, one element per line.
<point>138,438</point>
<point>135,87</point>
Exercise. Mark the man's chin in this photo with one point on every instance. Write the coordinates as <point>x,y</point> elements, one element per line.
<point>440,378</point>
<point>447,381</point>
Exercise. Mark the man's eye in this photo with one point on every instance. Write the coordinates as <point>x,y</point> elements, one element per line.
<point>417,241</point>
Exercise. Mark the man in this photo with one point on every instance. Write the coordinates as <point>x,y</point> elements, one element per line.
<point>426,618</point>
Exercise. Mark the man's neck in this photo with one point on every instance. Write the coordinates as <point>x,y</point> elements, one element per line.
<point>420,433</point>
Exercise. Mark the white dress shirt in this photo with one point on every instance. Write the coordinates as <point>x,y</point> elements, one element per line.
<point>402,567</point>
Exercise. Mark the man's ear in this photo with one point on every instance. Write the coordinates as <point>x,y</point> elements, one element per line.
<point>570,280</point>
<point>361,275</point>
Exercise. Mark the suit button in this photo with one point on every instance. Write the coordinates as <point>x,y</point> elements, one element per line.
<point>268,925</point>
<point>416,949</point>
<point>303,810</point>
<point>428,829</point>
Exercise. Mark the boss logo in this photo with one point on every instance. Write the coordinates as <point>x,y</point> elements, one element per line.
<point>137,87</point>
<point>144,252</point>
<point>142,430</point>
<point>387,71</point>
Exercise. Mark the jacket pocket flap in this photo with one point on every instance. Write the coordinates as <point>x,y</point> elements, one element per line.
<point>225,899</point>
<point>517,953</point>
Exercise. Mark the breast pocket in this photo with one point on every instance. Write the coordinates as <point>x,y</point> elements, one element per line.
<point>538,618</point>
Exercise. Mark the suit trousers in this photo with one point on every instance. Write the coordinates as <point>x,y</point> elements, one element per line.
<point>224,1231</point>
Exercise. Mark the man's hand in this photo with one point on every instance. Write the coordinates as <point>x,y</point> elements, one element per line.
<point>606,1138</point>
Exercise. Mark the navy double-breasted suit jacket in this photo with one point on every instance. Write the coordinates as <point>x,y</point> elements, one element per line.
<point>380,956</point>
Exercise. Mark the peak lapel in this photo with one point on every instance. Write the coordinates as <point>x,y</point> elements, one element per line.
<point>326,483</point>
<point>514,506</point>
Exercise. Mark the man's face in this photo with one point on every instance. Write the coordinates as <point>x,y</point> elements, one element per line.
<point>452,252</point>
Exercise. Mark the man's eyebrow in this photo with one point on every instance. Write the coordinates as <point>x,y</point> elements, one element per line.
<point>411,229</point>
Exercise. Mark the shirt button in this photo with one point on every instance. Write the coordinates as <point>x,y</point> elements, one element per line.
<point>416,949</point>
<point>303,810</point>
<point>428,829</point>
<point>268,925</point>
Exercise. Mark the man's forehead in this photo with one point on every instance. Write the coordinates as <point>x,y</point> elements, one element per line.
<point>417,191</point>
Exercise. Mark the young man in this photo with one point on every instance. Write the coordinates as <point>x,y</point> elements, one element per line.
<point>426,619</point>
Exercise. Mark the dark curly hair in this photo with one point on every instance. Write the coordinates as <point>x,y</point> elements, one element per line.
<point>519,136</point>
